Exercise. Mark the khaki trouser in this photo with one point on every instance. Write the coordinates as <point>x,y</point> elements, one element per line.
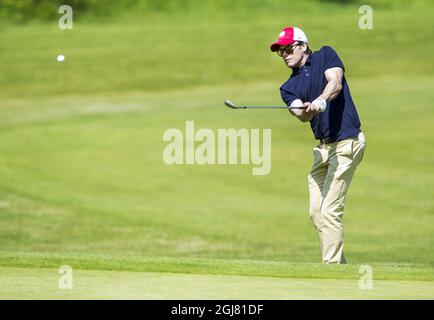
<point>333,168</point>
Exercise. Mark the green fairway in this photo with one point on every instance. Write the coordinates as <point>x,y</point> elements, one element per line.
<point>33,283</point>
<point>83,182</point>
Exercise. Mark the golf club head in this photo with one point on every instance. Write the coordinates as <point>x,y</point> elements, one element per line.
<point>230,104</point>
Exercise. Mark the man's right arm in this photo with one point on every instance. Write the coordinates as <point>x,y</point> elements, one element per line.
<point>301,114</point>
<point>291,98</point>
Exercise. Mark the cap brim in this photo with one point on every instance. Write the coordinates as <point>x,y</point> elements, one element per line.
<point>284,42</point>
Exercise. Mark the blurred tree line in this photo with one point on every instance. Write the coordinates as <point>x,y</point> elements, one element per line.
<point>48,9</point>
<point>22,10</point>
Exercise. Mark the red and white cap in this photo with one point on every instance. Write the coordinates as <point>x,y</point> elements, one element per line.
<point>287,36</point>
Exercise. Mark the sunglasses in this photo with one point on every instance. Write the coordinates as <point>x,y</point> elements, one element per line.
<point>289,49</point>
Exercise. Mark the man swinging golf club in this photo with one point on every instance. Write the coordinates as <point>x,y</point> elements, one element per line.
<point>318,83</point>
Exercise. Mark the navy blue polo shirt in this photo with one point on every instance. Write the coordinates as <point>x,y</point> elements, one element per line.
<point>340,120</point>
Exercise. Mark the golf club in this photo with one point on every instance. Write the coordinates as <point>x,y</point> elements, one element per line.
<point>232,105</point>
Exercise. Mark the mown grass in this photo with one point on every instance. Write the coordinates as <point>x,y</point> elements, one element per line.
<point>90,177</point>
<point>31,283</point>
<point>185,265</point>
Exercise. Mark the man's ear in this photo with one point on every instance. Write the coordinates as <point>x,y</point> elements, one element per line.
<point>304,46</point>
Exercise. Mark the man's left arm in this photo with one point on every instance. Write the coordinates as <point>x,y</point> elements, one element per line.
<point>334,85</point>
<point>331,91</point>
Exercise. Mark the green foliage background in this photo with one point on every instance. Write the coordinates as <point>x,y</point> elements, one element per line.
<point>44,10</point>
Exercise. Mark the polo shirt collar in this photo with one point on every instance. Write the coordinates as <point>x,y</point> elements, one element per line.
<point>307,63</point>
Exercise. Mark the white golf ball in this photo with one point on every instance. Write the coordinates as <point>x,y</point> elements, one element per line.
<point>60,58</point>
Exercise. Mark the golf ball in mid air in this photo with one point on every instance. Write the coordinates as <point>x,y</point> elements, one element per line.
<point>60,58</point>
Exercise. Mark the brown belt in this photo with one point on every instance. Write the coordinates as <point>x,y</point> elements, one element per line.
<point>327,140</point>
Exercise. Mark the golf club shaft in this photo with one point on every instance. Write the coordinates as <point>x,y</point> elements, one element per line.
<point>270,107</point>
<point>232,105</point>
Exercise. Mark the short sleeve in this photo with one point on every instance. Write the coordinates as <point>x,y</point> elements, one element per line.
<point>288,93</point>
<point>332,59</point>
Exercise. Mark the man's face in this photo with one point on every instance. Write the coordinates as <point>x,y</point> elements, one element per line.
<point>294,59</point>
